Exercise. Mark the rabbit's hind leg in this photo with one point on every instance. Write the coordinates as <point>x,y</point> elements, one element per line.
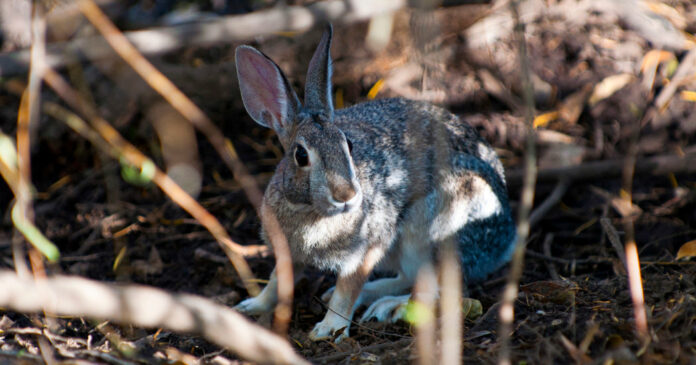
<point>385,295</point>
<point>379,288</point>
<point>376,289</point>
<point>391,308</point>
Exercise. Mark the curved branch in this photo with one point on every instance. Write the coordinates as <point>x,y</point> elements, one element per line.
<point>146,307</point>
<point>222,30</point>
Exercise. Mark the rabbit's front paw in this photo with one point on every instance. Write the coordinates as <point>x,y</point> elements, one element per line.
<point>389,308</point>
<point>254,306</point>
<point>330,327</point>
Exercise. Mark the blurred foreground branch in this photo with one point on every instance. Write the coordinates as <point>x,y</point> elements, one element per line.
<point>507,301</point>
<point>223,30</point>
<point>146,307</point>
<point>27,118</point>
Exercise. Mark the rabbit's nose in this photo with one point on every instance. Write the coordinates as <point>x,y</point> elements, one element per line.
<point>343,194</point>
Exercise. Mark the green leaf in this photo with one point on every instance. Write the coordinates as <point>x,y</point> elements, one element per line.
<point>418,313</point>
<point>136,176</point>
<point>34,235</point>
<point>471,308</point>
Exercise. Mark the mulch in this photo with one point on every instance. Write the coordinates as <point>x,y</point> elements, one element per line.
<point>574,303</point>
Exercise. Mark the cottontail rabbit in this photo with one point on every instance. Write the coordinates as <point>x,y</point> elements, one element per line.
<point>377,186</point>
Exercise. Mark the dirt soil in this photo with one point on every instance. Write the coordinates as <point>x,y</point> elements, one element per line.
<point>574,303</point>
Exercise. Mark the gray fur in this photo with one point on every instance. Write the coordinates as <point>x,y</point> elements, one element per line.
<point>417,176</point>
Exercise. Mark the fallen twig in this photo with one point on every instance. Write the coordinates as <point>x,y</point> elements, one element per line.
<point>657,165</point>
<point>400,344</point>
<point>147,307</point>
<point>549,202</point>
<point>547,252</point>
<point>227,29</point>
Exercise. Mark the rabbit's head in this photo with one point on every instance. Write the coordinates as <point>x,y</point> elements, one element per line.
<point>317,173</point>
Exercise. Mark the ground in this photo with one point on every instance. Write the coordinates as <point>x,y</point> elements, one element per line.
<point>574,303</point>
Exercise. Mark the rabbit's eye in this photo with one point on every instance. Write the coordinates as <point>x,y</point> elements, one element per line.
<point>350,146</point>
<point>301,156</point>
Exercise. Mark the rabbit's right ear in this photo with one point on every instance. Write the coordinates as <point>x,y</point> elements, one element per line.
<point>266,93</point>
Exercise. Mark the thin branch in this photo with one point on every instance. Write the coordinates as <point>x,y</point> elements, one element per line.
<point>507,307</point>
<point>147,307</point>
<point>22,211</point>
<point>126,150</point>
<point>635,284</point>
<point>425,297</point>
<point>450,305</point>
<point>224,147</point>
<point>549,202</point>
<point>632,261</point>
<point>227,29</point>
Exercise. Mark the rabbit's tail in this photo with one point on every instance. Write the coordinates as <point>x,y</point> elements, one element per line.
<point>486,242</point>
<point>494,239</point>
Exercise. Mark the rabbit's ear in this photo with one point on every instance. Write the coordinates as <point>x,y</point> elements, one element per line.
<point>318,86</point>
<point>266,93</point>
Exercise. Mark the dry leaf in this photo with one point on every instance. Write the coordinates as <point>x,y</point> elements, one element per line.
<point>153,266</point>
<point>178,357</point>
<point>654,58</point>
<point>547,136</point>
<point>625,208</point>
<point>375,89</point>
<point>544,119</point>
<point>687,250</point>
<point>673,15</point>
<point>471,308</point>
<point>573,105</point>
<point>609,86</point>
<point>5,323</point>
<point>615,341</point>
<point>688,95</point>
<point>622,205</point>
<point>559,292</point>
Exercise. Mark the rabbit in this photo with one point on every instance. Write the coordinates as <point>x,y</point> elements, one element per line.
<point>376,186</point>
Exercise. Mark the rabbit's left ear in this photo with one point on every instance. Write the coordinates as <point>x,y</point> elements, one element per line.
<point>318,84</point>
